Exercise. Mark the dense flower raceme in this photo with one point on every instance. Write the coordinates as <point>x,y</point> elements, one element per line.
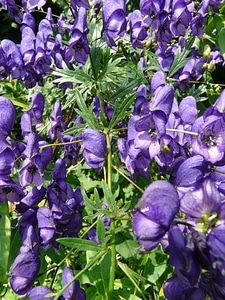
<point>33,58</point>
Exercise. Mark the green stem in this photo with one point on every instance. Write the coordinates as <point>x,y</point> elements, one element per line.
<point>112,222</point>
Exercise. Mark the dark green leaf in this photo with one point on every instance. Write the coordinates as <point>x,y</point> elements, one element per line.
<point>79,244</point>
<point>181,58</point>
<point>121,110</point>
<point>221,42</point>
<point>100,230</point>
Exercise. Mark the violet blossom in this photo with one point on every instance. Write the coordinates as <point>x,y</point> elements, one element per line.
<point>154,213</point>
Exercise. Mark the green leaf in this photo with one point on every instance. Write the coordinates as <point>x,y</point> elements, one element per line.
<point>5,235</point>
<point>121,110</point>
<point>221,42</point>
<point>95,57</point>
<point>181,58</point>
<point>100,228</point>
<point>109,197</point>
<point>128,248</point>
<point>79,244</point>
<point>85,112</point>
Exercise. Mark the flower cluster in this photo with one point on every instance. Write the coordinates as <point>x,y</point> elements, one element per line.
<point>126,113</point>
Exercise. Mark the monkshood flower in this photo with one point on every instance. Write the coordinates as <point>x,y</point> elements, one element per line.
<point>114,20</point>
<point>6,161</point>
<point>7,116</point>
<point>28,21</point>
<point>204,200</point>
<point>210,142</point>
<point>73,292</point>
<point>40,293</point>
<point>32,198</point>
<point>32,168</point>
<point>151,10</point>
<point>181,17</point>
<point>78,47</point>
<point>80,3</point>
<point>10,190</point>
<point>176,289</point>
<point>46,226</point>
<point>191,173</point>
<point>163,34</point>
<point>30,5</point>
<point>182,257</point>
<point>94,148</point>
<point>216,244</point>
<point>138,31</point>
<point>23,272</point>
<point>57,125</point>
<point>198,23</point>
<point>27,47</point>
<point>14,59</point>
<point>154,213</point>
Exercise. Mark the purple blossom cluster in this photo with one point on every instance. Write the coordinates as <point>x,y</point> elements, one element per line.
<point>185,214</point>
<point>40,48</point>
<point>39,225</point>
<point>65,41</point>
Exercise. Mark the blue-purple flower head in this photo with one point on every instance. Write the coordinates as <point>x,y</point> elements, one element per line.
<point>154,213</point>
<point>94,148</point>
<point>114,20</point>
<point>7,116</point>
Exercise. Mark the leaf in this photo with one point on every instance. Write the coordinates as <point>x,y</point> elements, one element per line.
<point>100,228</point>
<point>5,235</point>
<point>121,109</point>
<point>134,277</point>
<point>128,248</point>
<point>79,244</point>
<point>221,42</point>
<point>95,57</point>
<point>85,112</point>
<point>109,197</point>
<point>181,58</point>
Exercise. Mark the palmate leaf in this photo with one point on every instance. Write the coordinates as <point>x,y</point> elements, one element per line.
<point>77,76</point>
<point>121,110</point>
<point>85,112</point>
<point>181,58</point>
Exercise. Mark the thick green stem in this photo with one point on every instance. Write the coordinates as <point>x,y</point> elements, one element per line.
<point>112,222</point>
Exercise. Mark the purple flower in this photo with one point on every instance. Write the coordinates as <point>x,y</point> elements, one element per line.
<point>57,125</point>
<point>39,293</point>
<point>216,244</point>
<point>154,213</point>
<point>10,190</point>
<point>73,292</point>
<point>46,225</point>
<point>182,257</point>
<point>210,142</point>
<point>6,161</point>
<point>32,4</point>
<point>14,59</point>
<point>80,3</point>
<point>181,17</point>
<point>114,20</point>
<point>190,173</point>
<point>176,289</point>
<point>24,271</point>
<point>204,200</point>
<point>137,29</point>
<point>94,148</point>
<point>78,47</point>
<point>7,116</point>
